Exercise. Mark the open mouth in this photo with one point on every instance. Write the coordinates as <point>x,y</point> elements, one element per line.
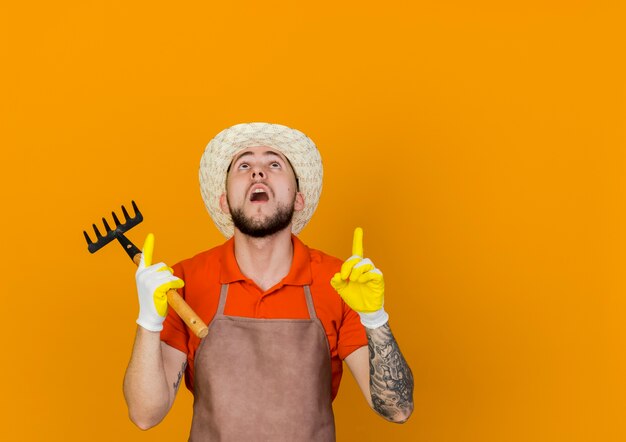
<point>259,195</point>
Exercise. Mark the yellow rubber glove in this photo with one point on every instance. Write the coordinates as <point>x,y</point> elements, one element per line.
<point>153,282</point>
<point>361,285</point>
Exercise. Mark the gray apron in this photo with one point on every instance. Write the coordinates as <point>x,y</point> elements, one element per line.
<point>263,379</point>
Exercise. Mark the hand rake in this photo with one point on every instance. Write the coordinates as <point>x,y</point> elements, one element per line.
<point>179,305</point>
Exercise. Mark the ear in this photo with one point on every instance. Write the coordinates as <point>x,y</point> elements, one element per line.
<point>224,204</point>
<point>299,203</point>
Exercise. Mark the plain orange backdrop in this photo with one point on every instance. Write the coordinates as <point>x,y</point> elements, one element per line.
<point>481,146</point>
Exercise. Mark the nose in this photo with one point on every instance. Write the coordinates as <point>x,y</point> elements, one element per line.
<point>258,173</point>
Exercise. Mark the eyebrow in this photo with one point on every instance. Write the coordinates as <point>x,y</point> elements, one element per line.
<point>266,153</point>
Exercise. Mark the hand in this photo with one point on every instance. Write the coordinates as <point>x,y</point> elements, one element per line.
<point>361,285</point>
<point>153,282</point>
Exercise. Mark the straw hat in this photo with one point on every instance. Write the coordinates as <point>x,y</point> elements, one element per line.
<point>297,147</point>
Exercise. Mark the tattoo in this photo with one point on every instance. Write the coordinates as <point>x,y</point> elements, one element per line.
<point>180,376</point>
<point>391,380</point>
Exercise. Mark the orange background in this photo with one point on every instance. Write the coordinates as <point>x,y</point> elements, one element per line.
<point>480,145</point>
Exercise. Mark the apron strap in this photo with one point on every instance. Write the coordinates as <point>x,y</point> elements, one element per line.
<point>309,302</point>
<point>222,301</point>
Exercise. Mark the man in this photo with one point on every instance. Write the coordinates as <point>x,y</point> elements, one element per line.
<point>271,363</point>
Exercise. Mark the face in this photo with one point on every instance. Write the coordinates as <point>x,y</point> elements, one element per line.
<point>261,192</point>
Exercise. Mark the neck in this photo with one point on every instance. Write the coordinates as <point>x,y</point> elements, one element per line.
<point>264,260</point>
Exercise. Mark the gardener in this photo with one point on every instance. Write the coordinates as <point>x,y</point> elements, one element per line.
<point>271,363</point>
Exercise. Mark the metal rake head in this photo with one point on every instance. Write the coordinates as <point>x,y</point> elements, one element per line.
<point>111,234</point>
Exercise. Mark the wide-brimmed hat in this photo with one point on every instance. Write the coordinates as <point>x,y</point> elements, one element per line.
<point>296,146</point>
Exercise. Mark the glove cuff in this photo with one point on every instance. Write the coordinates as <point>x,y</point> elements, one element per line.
<point>374,319</point>
<point>149,326</point>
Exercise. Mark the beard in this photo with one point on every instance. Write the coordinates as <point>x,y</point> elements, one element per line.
<point>267,226</point>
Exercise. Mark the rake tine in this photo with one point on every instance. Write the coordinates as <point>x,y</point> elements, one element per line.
<point>115,218</point>
<point>106,225</point>
<point>126,215</point>
<point>137,212</point>
<point>89,241</point>
<point>98,234</point>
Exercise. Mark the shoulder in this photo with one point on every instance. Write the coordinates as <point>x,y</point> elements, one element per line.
<point>320,263</point>
<point>323,261</point>
<point>323,268</point>
<point>201,275</point>
<point>200,262</point>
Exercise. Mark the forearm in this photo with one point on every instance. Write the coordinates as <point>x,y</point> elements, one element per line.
<point>391,380</point>
<point>145,384</point>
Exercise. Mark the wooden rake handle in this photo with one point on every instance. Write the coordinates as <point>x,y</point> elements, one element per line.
<point>183,310</point>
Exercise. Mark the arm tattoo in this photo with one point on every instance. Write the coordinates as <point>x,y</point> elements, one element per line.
<point>391,380</point>
<point>180,376</point>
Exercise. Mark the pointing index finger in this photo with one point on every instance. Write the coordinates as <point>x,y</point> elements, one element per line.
<point>148,248</point>
<point>357,242</point>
